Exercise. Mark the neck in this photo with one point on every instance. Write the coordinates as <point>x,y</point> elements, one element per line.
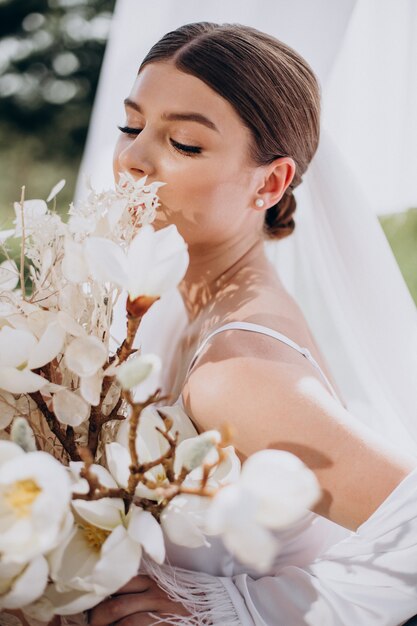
<point>212,268</point>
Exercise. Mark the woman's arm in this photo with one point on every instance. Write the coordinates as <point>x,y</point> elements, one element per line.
<point>283,405</point>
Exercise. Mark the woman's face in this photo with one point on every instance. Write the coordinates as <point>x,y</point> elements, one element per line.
<point>210,183</point>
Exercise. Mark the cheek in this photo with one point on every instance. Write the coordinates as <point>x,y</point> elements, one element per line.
<point>205,201</point>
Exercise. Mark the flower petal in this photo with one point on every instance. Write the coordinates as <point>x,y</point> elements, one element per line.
<point>70,408</point>
<point>29,586</point>
<point>106,260</point>
<point>284,486</point>
<point>48,347</point>
<point>145,530</point>
<point>183,519</point>
<point>16,346</point>
<point>16,381</point>
<point>8,450</point>
<point>119,562</point>
<point>118,461</point>
<point>105,513</point>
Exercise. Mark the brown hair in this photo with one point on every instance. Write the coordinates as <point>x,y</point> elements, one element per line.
<point>271,87</point>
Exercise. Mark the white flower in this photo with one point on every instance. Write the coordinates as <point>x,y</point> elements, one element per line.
<point>155,262</point>
<point>274,491</point>
<point>108,547</point>
<point>137,369</point>
<point>21,351</point>
<point>232,514</point>
<point>9,275</point>
<point>20,584</point>
<point>285,488</point>
<point>34,503</point>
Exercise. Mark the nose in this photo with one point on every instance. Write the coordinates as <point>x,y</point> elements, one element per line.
<point>135,157</point>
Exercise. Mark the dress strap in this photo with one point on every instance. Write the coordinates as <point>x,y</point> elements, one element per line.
<point>258,328</point>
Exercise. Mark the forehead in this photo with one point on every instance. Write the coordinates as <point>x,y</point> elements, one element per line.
<point>162,87</point>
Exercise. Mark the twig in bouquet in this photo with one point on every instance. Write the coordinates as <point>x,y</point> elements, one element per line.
<point>22,245</point>
<point>66,439</point>
<point>137,469</point>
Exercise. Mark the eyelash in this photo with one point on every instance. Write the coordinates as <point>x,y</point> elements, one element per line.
<point>185,150</point>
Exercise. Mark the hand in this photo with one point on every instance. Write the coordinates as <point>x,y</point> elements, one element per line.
<point>131,605</point>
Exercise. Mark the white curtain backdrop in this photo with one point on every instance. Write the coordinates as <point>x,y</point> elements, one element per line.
<point>337,264</point>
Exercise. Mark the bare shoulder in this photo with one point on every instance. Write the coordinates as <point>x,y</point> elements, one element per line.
<point>277,402</point>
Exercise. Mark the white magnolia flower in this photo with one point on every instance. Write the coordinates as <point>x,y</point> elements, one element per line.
<point>283,485</point>
<point>21,585</point>
<point>34,503</point>
<point>137,369</point>
<point>232,515</point>
<point>21,352</point>
<point>275,490</point>
<point>9,275</point>
<point>155,262</point>
<point>108,547</point>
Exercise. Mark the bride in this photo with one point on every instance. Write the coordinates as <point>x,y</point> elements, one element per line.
<point>229,118</point>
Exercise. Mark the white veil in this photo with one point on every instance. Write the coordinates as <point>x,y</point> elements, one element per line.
<point>337,263</point>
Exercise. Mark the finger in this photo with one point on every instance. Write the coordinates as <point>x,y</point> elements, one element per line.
<point>136,585</point>
<point>115,609</point>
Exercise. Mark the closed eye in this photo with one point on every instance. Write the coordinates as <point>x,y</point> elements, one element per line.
<point>191,150</point>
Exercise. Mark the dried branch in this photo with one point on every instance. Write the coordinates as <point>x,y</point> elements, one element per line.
<point>66,438</point>
<point>22,245</point>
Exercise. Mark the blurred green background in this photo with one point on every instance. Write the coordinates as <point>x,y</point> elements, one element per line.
<point>50,57</point>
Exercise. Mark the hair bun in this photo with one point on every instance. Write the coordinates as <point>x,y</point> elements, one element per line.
<point>279,221</point>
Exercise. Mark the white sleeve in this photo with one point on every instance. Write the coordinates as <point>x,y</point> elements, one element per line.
<point>367,579</point>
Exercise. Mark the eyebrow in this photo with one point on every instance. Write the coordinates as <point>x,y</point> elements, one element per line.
<point>192,117</point>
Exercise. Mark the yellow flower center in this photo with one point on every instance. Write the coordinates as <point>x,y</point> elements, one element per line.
<point>95,537</point>
<point>21,495</point>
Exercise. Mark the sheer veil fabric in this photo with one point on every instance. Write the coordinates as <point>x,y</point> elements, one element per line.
<point>337,263</point>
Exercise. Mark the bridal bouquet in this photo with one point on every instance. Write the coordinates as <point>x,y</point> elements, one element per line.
<point>90,478</point>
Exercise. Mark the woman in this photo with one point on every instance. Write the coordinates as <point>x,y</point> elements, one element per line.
<point>228,117</point>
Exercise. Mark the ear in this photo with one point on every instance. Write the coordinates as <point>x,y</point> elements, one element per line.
<point>276,179</point>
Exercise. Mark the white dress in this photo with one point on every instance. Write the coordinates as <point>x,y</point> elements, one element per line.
<point>324,575</point>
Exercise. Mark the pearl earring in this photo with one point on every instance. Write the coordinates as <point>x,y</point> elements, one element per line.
<point>259,202</point>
